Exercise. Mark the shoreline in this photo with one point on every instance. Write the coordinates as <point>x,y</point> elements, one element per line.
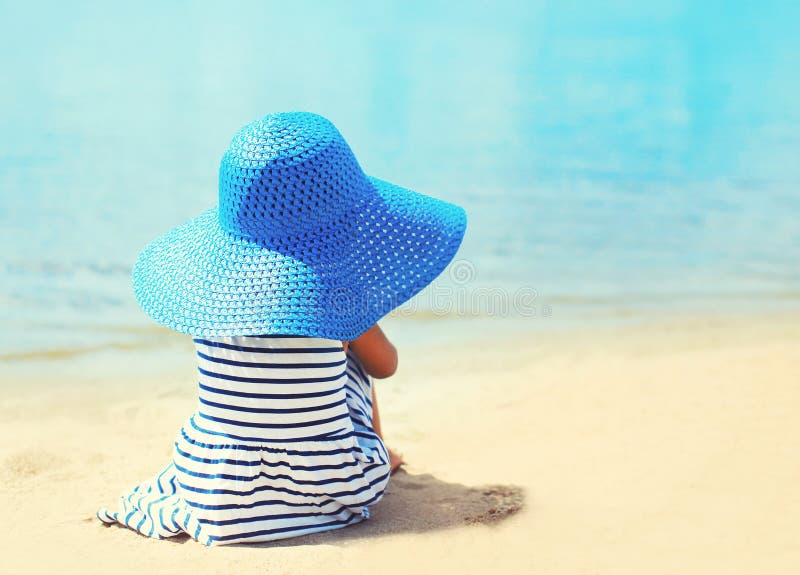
<point>142,335</point>
<point>412,333</point>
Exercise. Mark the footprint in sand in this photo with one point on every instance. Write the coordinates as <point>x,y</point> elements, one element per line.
<point>501,501</point>
<point>28,463</point>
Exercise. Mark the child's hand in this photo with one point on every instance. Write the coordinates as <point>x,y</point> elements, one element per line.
<point>376,352</point>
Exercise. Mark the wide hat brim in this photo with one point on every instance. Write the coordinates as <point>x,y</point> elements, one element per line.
<point>201,280</point>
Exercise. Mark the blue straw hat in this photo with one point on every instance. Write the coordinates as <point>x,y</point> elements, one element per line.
<point>302,241</point>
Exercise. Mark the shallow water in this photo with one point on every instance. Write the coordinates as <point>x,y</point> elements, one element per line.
<point>614,159</point>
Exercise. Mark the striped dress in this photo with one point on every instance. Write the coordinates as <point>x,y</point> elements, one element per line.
<point>281,444</point>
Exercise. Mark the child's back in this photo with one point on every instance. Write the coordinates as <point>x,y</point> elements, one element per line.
<point>281,444</point>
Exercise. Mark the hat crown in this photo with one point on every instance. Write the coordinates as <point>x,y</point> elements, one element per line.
<point>287,174</point>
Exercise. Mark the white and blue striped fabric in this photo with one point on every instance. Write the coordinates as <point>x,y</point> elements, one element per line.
<point>281,444</point>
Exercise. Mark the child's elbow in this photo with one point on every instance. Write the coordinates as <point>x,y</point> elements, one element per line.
<point>387,367</point>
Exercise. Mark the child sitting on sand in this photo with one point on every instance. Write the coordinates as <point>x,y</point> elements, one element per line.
<point>281,286</point>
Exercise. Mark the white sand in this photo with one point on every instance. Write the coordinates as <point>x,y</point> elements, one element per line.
<point>672,447</point>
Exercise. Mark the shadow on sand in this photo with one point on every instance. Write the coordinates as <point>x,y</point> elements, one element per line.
<point>418,504</point>
<point>411,504</point>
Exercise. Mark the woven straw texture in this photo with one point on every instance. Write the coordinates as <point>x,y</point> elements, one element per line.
<point>302,241</point>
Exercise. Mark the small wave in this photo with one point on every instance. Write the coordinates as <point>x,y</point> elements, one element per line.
<point>58,268</point>
<point>60,353</point>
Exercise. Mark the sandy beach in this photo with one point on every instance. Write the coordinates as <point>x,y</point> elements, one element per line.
<point>598,375</point>
<point>662,446</point>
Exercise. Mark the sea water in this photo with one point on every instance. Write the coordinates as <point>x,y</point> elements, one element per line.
<point>614,158</point>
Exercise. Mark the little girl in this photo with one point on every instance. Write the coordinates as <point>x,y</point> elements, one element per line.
<point>281,286</point>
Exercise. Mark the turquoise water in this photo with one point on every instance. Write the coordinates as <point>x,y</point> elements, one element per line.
<point>615,158</point>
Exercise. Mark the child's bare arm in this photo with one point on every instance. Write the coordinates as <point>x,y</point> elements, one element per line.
<point>376,352</point>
